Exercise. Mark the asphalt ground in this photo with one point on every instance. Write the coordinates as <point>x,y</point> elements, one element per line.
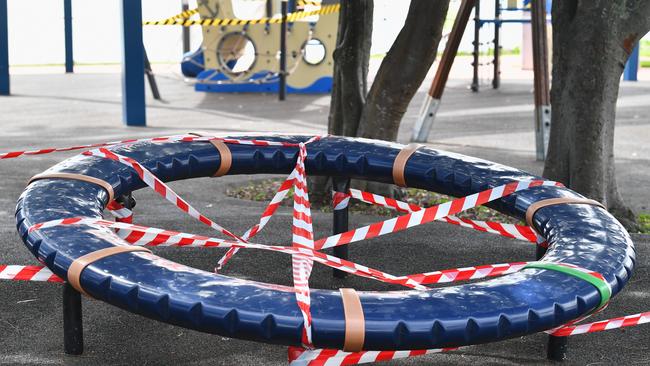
<point>60,110</point>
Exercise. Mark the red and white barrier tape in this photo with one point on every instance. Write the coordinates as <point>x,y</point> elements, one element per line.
<point>428,214</point>
<point>147,236</point>
<point>513,231</point>
<point>161,188</point>
<point>27,273</point>
<point>332,357</point>
<point>182,138</point>
<point>302,236</point>
<point>121,213</point>
<point>599,326</point>
<point>270,210</point>
<point>142,235</point>
<point>340,200</point>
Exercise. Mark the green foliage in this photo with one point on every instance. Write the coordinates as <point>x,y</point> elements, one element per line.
<point>644,48</point>
<point>644,223</point>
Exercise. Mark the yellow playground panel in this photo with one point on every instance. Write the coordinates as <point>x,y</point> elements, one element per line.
<point>241,46</point>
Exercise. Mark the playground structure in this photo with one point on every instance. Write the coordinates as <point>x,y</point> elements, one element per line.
<point>584,256</point>
<point>541,82</point>
<point>538,9</point>
<point>244,54</point>
<point>133,62</point>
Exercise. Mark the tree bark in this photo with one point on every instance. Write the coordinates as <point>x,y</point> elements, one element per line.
<point>377,114</point>
<point>351,57</point>
<point>403,69</point>
<point>592,40</point>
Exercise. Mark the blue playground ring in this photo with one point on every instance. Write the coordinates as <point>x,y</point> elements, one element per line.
<point>522,303</point>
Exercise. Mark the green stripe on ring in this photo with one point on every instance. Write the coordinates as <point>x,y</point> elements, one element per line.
<point>600,285</point>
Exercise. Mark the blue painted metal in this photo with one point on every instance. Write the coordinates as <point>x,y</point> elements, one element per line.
<point>209,81</point>
<point>133,101</point>
<point>4,49</point>
<point>632,65</point>
<point>67,21</point>
<point>193,63</point>
<point>511,306</point>
<point>503,21</point>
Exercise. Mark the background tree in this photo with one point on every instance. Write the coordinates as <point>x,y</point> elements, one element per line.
<point>592,40</point>
<point>377,114</point>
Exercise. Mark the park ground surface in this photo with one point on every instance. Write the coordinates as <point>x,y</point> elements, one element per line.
<point>62,110</point>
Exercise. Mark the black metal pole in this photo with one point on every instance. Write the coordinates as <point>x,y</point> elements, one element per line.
<point>282,90</point>
<point>477,41</point>
<point>150,76</point>
<point>496,78</point>
<point>340,222</point>
<point>186,30</point>
<point>73,336</point>
<point>557,346</point>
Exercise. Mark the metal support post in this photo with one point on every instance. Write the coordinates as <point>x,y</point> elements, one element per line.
<point>496,62</point>
<point>477,42</point>
<point>150,77</point>
<point>282,90</point>
<point>73,340</point>
<point>67,21</point>
<point>340,222</point>
<point>133,101</point>
<point>186,30</point>
<point>541,78</point>
<point>632,65</point>
<point>557,346</point>
<point>429,109</point>
<point>4,49</point>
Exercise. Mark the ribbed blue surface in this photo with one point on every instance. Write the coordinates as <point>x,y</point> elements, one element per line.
<point>521,303</point>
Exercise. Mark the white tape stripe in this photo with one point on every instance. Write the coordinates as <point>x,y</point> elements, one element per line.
<point>387,226</point>
<point>360,234</point>
<point>10,272</point>
<point>496,192</point>
<point>470,201</point>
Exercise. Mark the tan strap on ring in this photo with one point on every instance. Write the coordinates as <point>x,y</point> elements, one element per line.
<point>79,264</point>
<point>530,212</point>
<point>400,163</point>
<point>355,325</point>
<point>73,176</point>
<point>224,152</point>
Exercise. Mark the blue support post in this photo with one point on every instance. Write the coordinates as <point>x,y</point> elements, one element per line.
<point>632,65</point>
<point>4,49</point>
<point>133,102</point>
<point>67,20</point>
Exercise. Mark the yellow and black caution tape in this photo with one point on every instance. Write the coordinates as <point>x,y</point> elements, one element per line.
<point>304,3</point>
<point>186,14</point>
<point>216,22</point>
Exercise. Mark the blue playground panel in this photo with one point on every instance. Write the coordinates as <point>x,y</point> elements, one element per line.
<point>258,83</point>
<point>632,65</point>
<point>217,82</point>
<point>192,64</point>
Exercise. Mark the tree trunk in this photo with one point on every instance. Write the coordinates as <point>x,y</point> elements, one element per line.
<point>403,69</point>
<point>350,84</point>
<point>351,58</point>
<point>353,111</point>
<point>592,40</point>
